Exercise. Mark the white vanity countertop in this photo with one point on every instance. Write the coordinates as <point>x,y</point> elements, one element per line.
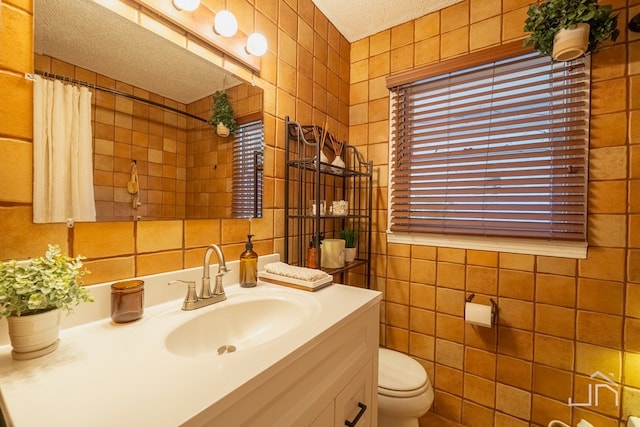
<point>105,374</point>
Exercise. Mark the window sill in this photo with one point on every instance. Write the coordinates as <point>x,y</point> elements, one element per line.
<point>576,250</point>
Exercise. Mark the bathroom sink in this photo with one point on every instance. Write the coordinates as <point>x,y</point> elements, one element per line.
<point>235,326</point>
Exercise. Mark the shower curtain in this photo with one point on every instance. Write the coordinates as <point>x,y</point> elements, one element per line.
<point>62,153</point>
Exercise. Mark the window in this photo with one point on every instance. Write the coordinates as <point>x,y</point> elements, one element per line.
<point>491,149</point>
<point>248,150</point>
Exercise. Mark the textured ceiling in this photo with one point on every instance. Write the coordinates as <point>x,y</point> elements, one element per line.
<point>357,19</point>
<point>87,34</point>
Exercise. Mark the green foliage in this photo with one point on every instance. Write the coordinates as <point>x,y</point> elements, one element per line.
<point>545,20</point>
<point>222,112</point>
<point>42,284</point>
<point>350,236</point>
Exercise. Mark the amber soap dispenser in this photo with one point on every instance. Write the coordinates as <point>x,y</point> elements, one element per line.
<point>248,265</point>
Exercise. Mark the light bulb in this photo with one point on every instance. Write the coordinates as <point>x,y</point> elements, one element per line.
<point>257,44</point>
<point>188,5</point>
<point>225,23</point>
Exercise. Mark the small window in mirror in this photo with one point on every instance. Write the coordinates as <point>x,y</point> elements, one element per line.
<point>248,155</point>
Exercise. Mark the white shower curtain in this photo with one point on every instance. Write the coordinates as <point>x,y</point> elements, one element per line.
<point>62,153</point>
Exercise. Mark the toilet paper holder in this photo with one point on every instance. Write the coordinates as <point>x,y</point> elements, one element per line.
<point>494,309</point>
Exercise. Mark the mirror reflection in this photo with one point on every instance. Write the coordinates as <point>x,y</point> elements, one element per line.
<point>155,154</point>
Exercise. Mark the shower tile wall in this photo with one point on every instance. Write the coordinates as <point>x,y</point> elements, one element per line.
<point>124,131</point>
<point>184,168</point>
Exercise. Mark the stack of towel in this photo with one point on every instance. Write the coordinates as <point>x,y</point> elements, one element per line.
<point>280,273</point>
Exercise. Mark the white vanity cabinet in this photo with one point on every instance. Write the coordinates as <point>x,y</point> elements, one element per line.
<point>315,374</point>
<point>321,385</point>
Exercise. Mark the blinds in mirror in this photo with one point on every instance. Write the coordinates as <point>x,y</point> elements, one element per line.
<point>248,152</point>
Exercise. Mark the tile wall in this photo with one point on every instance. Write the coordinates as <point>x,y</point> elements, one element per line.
<point>561,320</point>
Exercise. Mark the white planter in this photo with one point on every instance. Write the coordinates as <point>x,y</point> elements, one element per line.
<point>570,43</point>
<point>35,335</point>
<point>350,254</point>
<point>222,130</point>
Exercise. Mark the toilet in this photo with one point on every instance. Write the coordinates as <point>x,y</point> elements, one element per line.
<point>404,390</point>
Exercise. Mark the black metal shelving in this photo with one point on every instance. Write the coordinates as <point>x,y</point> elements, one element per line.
<point>309,181</point>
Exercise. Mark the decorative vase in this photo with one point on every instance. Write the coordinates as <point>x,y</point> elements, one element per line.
<point>339,163</point>
<point>570,43</point>
<point>222,130</point>
<point>350,254</point>
<point>332,253</point>
<point>34,335</point>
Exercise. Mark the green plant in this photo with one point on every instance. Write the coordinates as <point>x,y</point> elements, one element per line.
<point>222,112</point>
<point>545,20</point>
<point>350,236</point>
<point>42,284</point>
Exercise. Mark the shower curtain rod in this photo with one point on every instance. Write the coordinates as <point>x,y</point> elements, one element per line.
<point>113,92</point>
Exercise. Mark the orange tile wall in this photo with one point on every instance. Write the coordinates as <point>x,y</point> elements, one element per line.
<point>561,320</point>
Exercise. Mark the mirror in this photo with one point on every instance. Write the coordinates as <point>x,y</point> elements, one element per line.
<point>182,168</point>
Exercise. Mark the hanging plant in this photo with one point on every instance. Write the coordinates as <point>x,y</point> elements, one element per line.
<point>544,21</point>
<point>222,113</point>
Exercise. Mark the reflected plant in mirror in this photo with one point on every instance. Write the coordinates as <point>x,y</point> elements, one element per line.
<point>183,169</point>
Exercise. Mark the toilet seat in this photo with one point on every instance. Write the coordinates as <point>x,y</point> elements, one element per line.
<point>400,375</point>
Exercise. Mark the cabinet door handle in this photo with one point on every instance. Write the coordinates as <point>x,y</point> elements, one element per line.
<point>353,423</point>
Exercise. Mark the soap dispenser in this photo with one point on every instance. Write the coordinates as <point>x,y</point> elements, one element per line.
<point>248,265</point>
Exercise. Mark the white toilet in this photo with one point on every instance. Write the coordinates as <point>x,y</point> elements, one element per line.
<point>404,390</point>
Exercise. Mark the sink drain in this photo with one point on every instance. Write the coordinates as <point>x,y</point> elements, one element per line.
<point>226,349</point>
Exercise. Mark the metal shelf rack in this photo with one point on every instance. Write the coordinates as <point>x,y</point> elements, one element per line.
<point>309,181</point>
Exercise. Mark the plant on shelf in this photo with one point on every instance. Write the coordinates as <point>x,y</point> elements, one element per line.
<point>36,290</point>
<point>350,237</point>
<point>551,21</point>
<point>222,115</point>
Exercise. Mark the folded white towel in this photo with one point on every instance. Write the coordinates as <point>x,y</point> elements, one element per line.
<point>295,272</point>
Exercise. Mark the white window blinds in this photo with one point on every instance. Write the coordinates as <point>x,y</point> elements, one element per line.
<point>498,149</point>
<point>248,152</point>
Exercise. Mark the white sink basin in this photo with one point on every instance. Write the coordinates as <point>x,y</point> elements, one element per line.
<point>231,326</point>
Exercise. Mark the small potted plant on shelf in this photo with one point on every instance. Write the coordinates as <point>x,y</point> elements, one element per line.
<point>567,29</point>
<point>350,237</point>
<point>222,115</point>
<point>32,294</point>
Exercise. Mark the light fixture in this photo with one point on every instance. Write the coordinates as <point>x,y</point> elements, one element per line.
<point>225,23</point>
<point>256,44</point>
<point>188,5</point>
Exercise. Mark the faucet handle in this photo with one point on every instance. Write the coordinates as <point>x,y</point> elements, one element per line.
<point>191,290</point>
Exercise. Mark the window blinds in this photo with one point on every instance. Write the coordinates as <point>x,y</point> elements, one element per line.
<point>247,170</point>
<point>498,149</point>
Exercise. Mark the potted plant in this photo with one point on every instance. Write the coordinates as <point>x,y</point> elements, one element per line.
<point>222,115</point>
<point>32,295</point>
<point>350,237</point>
<point>556,24</point>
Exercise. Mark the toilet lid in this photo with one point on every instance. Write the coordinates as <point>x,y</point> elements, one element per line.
<point>397,371</point>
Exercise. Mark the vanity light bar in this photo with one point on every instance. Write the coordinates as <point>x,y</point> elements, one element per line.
<point>226,24</point>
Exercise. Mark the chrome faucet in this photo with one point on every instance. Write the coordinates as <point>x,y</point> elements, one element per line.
<point>192,300</point>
